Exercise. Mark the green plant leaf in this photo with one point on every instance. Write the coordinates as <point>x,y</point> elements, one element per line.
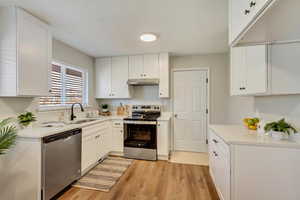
<point>8,135</point>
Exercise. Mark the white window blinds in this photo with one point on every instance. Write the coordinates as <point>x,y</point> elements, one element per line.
<point>67,86</point>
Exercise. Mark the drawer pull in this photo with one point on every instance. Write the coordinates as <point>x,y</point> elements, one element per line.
<point>215,141</point>
<point>215,153</point>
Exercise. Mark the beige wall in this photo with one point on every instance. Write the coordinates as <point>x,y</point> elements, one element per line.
<point>61,52</point>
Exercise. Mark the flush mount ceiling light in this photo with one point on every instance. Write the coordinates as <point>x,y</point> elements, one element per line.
<point>148,37</point>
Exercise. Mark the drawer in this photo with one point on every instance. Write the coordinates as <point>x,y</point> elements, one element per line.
<point>96,128</point>
<point>117,124</point>
<point>216,143</point>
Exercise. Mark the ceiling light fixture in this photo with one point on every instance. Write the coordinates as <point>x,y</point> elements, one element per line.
<point>148,37</point>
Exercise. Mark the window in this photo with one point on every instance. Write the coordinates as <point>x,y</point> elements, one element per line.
<point>68,86</point>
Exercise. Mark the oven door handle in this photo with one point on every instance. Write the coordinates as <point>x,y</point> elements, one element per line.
<point>140,122</point>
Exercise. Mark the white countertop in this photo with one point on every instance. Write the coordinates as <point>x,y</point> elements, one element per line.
<point>165,116</point>
<point>38,132</point>
<point>238,134</point>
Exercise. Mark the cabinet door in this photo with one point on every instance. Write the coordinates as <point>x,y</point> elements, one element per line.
<point>136,65</point>
<point>239,12</point>
<point>119,86</point>
<point>89,153</point>
<point>256,69</point>
<point>151,66</point>
<point>222,175</point>
<point>103,78</point>
<point>237,71</point>
<point>163,138</point>
<point>164,74</point>
<point>34,55</point>
<point>117,139</point>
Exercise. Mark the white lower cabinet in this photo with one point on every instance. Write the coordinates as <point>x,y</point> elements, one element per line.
<point>248,171</point>
<point>117,137</point>
<point>163,138</point>
<point>96,143</point>
<point>219,162</point>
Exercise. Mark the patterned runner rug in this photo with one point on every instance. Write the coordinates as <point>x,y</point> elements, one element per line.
<point>105,175</point>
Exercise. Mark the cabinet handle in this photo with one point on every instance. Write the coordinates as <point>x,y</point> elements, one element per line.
<point>175,115</point>
<point>242,88</point>
<point>117,124</point>
<point>215,141</point>
<point>160,93</point>
<point>247,12</point>
<point>50,90</point>
<point>252,4</point>
<point>215,153</point>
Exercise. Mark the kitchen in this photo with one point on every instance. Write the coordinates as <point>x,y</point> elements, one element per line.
<point>195,89</point>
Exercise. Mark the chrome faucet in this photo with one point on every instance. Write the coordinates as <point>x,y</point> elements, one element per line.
<point>72,110</point>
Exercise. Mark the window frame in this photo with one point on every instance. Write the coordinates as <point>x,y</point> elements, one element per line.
<point>85,93</point>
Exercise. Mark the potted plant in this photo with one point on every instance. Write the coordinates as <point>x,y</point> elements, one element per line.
<point>8,135</point>
<point>104,108</point>
<point>279,128</point>
<point>26,118</point>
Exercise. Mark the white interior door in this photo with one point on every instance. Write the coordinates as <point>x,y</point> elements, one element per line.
<point>190,104</point>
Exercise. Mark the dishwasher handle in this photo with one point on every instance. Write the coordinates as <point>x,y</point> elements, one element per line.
<point>61,136</point>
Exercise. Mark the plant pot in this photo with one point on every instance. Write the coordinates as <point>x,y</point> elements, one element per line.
<point>277,135</point>
<point>295,137</point>
<point>104,110</point>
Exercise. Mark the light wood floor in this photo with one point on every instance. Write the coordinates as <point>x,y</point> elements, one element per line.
<point>161,180</point>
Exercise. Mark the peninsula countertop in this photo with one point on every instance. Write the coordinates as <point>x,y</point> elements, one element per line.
<point>240,135</point>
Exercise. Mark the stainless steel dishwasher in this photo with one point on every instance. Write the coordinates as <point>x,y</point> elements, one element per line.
<point>61,161</point>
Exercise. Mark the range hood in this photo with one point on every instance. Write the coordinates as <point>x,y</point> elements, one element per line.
<point>143,82</point>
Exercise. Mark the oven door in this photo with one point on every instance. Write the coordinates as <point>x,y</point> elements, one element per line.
<point>140,134</point>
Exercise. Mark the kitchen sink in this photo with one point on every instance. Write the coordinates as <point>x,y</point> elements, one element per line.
<point>83,121</point>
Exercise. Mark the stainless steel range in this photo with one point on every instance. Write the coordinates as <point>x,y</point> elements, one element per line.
<point>140,132</point>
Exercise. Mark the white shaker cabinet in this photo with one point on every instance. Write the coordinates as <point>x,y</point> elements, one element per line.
<point>164,73</point>
<point>117,137</point>
<point>249,70</point>
<point>103,78</point>
<point>163,139</point>
<point>96,143</point>
<point>219,162</point>
<point>151,66</point>
<point>144,66</point>
<point>25,54</point>
<point>119,77</point>
<point>243,14</point>
<point>112,77</point>
<point>136,67</point>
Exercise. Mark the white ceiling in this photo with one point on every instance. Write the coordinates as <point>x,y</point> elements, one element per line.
<point>112,27</point>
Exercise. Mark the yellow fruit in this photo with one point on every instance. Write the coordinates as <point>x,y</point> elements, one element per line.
<point>252,127</point>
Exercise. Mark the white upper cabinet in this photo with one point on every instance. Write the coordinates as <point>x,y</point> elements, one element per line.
<point>265,70</point>
<point>249,70</point>
<point>242,15</point>
<point>103,78</point>
<point>151,66</point>
<point>164,73</point>
<point>112,77</point>
<point>144,66</point>
<point>136,67</point>
<point>25,54</point>
<point>119,69</point>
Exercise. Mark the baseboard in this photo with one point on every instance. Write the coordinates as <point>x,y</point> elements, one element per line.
<point>162,157</point>
<point>116,153</point>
